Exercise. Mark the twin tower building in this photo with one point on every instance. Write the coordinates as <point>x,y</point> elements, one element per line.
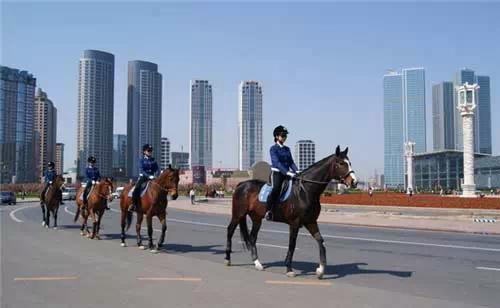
<point>144,115</point>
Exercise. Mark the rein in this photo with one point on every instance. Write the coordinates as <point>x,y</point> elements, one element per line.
<point>342,179</point>
<point>159,186</point>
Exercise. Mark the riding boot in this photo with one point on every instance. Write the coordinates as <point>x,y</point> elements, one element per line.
<point>269,215</point>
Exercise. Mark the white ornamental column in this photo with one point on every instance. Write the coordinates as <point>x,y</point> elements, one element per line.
<point>466,106</point>
<point>409,151</point>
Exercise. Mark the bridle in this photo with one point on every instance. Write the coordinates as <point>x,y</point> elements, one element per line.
<point>332,168</point>
<point>160,187</point>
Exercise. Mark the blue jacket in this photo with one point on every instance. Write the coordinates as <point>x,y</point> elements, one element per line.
<point>50,175</point>
<point>147,166</point>
<point>281,159</point>
<point>92,174</point>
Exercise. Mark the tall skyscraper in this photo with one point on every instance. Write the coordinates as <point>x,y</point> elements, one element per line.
<point>305,154</point>
<point>165,153</point>
<point>144,111</point>
<point>200,124</point>
<point>250,124</point>
<point>482,115</point>
<point>59,158</point>
<point>45,126</point>
<point>17,142</point>
<point>119,155</point>
<point>443,112</point>
<point>95,110</point>
<point>179,160</point>
<point>404,120</point>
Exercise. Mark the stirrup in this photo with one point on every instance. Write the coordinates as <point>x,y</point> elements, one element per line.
<point>269,215</point>
<point>132,207</point>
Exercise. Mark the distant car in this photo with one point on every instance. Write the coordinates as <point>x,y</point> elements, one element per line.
<point>8,197</point>
<point>117,193</point>
<point>69,193</point>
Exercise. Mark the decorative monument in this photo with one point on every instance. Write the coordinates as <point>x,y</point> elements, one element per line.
<point>466,105</point>
<point>409,152</point>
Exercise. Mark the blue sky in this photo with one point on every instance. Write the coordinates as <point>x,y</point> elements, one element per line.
<point>321,65</point>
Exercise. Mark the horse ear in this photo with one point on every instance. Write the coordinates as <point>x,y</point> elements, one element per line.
<point>346,150</point>
<point>170,166</point>
<point>337,151</point>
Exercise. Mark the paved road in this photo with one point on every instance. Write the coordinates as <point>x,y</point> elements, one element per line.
<point>368,267</point>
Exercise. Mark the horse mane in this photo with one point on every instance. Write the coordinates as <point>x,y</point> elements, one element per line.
<point>316,164</point>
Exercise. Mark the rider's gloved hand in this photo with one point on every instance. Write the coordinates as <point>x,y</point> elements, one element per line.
<point>151,177</point>
<point>291,174</point>
<point>50,182</point>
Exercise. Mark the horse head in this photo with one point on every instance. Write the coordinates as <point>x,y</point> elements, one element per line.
<point>169,180</point>
<point>58,181</point>
<point>105,188</point>
<point>342,169</point>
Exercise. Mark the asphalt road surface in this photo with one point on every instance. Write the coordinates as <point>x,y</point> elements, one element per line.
<point>368,267</point>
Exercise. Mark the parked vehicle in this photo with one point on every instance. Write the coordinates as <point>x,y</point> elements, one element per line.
<point>8,197</point>
<point>117,193</point>
<point>69,193</point>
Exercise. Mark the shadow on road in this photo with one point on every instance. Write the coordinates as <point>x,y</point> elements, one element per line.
<point>339,270</point>
<point>183,248</point>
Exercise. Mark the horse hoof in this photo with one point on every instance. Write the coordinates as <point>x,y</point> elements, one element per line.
<point>291,274</point>
<point>43,223</point>
<point>98,237</point>
<point>258,266</point>
<point>153,251</point>
<point>227,262</point>
<point>142,247</point>
<point>47,226</point>
<point>320,271</point>
<point>123,245</point>
<point>82,233</point>
<point>55,228</point>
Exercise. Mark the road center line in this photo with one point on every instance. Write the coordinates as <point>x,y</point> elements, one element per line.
<point>375,240</point>
<point>488,268</point>
<point>47,278</point>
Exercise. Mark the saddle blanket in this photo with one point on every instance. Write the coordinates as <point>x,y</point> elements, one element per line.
<point>266,190</point>
<point>143,191</point>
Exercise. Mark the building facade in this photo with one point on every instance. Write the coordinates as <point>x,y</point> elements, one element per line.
<point>443,120</point>
<point>143,111</point>
<point>180,160</point>
<point>305,154</point>
<point>404,120</point>
<point>165,153</point>
<point>487,172</point>
<point>17,137</point>
<point>200,124</point>
<point>45,125</point>
<point>95,110</point>
<point>119,155</point>
<point>59,158</point>
<point>249,124</point>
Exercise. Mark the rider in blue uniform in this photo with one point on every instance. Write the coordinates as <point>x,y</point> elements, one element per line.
<point>282,167</point>
<point>93,176</point>
<point>148,168</point>
<point>49,177</point>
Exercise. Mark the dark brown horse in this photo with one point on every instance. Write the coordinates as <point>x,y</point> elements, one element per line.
<point>302,208</point>
<point>96,206</point>
<point>153,203</point>
<point>51,200</point>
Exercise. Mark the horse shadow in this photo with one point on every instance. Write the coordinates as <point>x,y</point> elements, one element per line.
<point>173,248</point>
<point>338,271</point>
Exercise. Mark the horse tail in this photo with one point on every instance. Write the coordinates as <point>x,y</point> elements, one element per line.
<point>77,214</point>
<point>245,237</point>
<point>129,220</point>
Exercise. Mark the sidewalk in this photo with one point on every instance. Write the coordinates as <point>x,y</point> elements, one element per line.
<point>455,220</point>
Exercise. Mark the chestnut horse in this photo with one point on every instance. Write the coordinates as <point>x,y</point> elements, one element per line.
<point>302,208</point>
<point>51,201</point>
<point>153,203</point>
<point>96,206</point>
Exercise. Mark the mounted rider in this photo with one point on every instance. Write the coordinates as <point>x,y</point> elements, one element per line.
<point>49,177</point>
<point>148,169</point>
<point>93,176</point>
<point>282,167</point>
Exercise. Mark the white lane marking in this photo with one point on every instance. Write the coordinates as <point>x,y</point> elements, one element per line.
<point>68,211</point>
<point>49,278</point>
<point>349,237</point>
<point>13,213</point>
<point>488,268</point>
<point>270,245</point>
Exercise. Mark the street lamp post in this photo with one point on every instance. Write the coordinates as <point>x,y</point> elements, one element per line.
<point>466,105</point>
<point>409,151</point>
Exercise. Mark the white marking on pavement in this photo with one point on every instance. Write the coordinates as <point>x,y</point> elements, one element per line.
<point>13,213</point>
<point>68,211</point>
<point>375,240</point>
<point>488,268</point>
<point>55,278</point>
<point>270,245</point>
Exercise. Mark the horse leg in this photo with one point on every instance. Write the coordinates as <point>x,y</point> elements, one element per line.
<point>123,225</point>
<point>94,224</point>
<point>256,223</point>
<point>294,231</point>
<point>55,217</point>
<point>43,214</point>
<point>98,227</point>
<point>149,222</point>
<point>140,217</point>
<point>230,231</point>
<point>85,222</point>
<point>314,230</point>
<point>47,218</point>
<point>163,221</point>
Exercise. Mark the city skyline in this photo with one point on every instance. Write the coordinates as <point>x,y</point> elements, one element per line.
<point>292,77</point>
<point>249,124</point>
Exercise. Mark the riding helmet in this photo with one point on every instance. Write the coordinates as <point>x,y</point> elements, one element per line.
<point>280,131</point>
<point>92,160</point>
<point>147,147</point>
<point>51,164</point>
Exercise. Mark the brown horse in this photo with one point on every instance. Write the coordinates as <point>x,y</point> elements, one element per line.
<point>302,208</point>
<point>96,206</point>
<point>153,203</point>
<point>51,201</point>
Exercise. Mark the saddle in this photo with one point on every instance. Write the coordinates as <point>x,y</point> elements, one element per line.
<point>144,187</point>
<point>90,192</point>
<point>286,190</point>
